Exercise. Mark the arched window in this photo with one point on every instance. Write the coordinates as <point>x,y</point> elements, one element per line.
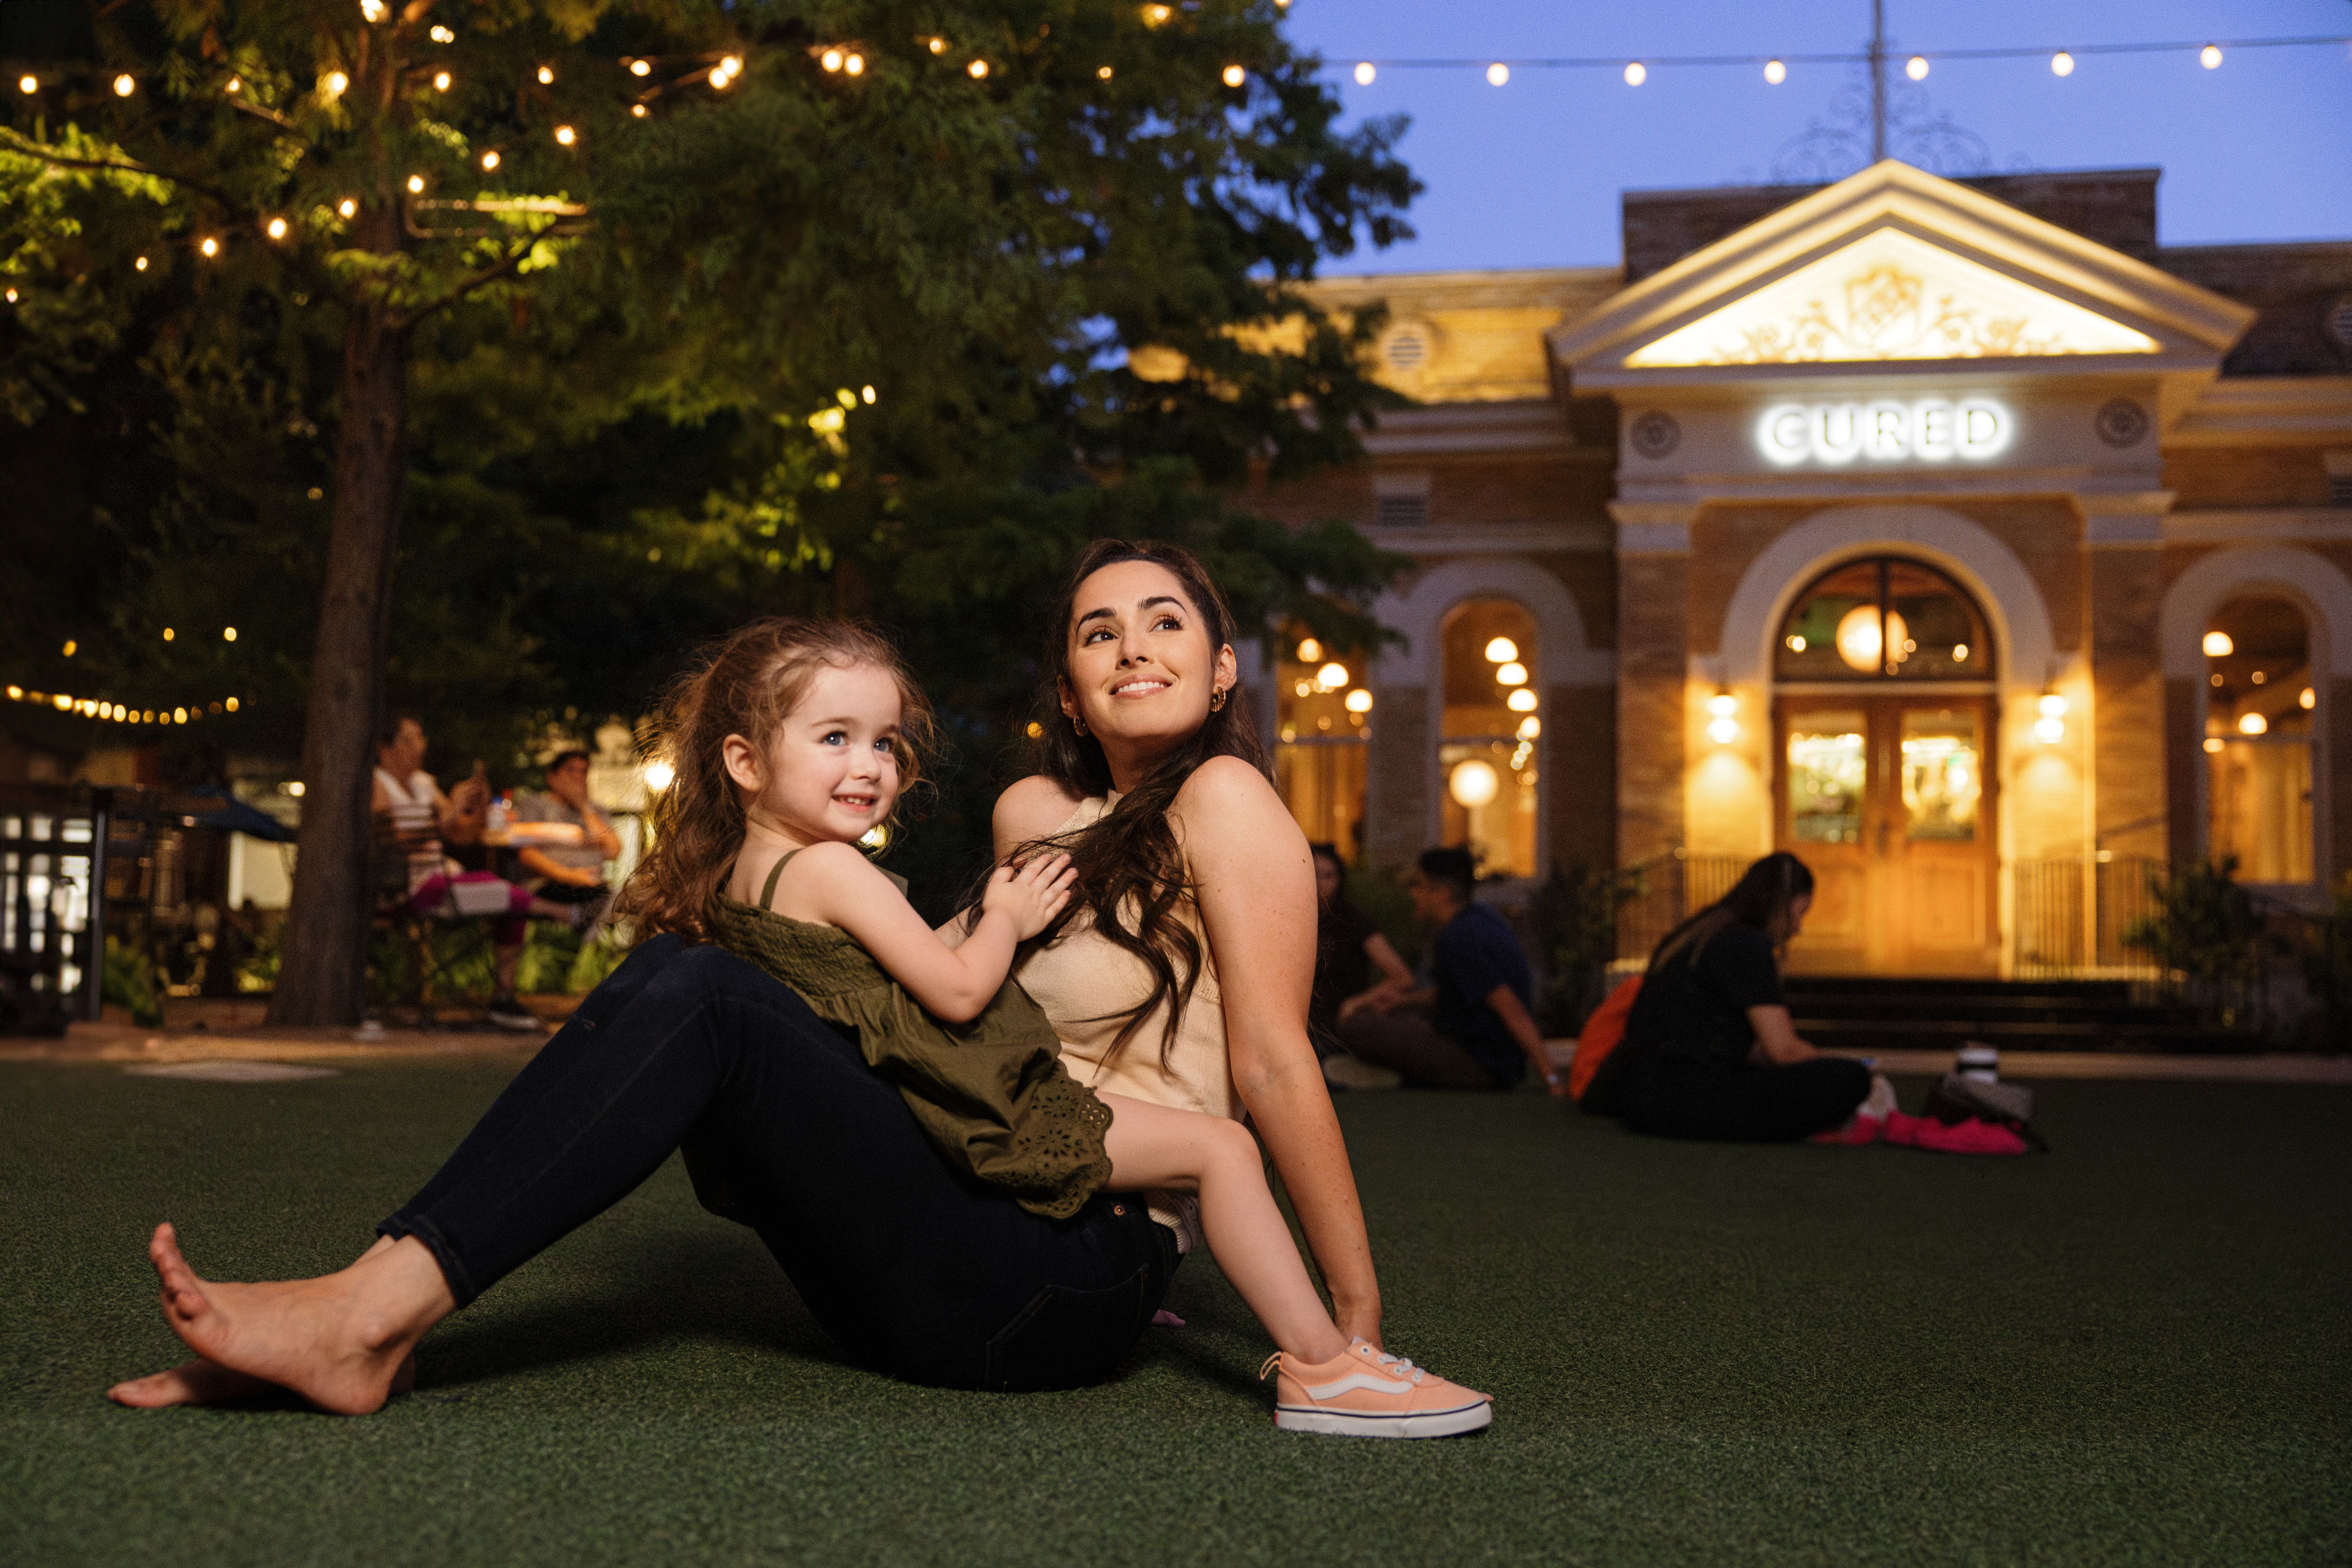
<point>1884,619</point>
<point>2260,701</point>
<point>1322,733</point>
<point>1487,734</point>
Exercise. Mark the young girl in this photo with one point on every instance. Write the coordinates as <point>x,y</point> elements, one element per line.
<point>791,748</point>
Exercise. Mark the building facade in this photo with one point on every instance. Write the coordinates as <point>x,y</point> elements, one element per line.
<point>1950,534</point>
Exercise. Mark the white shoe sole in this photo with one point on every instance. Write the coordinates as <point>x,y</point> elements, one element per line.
<point>523,1023</point>
<point>1420,1424</point>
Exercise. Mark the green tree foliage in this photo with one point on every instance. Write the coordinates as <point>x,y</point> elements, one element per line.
<point>572,313</point>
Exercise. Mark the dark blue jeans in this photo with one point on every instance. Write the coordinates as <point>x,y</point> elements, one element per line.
<point>915,1268</point>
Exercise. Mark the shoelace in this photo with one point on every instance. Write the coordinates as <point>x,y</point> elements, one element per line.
<point>1394,1365</point>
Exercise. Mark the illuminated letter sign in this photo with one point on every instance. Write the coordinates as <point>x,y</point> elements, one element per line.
<point>1931,430</point>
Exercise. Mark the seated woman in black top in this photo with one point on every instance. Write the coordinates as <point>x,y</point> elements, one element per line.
<point>1709,1050</point>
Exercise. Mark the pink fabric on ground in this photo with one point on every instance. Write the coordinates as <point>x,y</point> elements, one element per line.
<point>1972,1136</point>
<point>1860,1130</point>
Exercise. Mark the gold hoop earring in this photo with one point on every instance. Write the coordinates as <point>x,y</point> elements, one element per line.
<point>1217,699</point>
<point>1079,724</point>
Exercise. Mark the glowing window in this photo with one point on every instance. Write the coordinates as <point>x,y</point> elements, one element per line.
<point>1322,714</point>
<point>1489,737</point>
<point>1884,619</point>
<point>2260,740</point>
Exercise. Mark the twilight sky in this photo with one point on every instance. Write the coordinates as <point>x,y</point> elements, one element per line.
<point>1527,175</point>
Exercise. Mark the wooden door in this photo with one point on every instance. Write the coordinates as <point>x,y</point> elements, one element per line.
<point>1888,799</point>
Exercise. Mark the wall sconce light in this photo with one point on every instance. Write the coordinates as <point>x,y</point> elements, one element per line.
<point>2051,728</point>
<point>1723,728</point>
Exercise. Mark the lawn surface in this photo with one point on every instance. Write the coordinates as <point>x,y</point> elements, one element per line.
<point>2137,1350</point>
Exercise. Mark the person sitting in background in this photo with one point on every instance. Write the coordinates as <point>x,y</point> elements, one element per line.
<point>569,873</point>
<point>1710,1051</point>
<point>411,810</point>
<point>1348,948</point>
<point>1470,1028</point>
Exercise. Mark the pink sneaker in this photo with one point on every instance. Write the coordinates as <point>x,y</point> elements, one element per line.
<point>1366,1393</point>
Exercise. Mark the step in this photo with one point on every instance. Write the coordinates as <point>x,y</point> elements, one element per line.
<point>1896,1034</point>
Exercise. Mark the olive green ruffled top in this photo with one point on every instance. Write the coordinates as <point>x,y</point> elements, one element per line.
<point>991,1094</point>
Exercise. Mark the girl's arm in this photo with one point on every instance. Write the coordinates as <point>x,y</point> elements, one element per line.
<point>1775,1033</point>
<point>835,885</point>
<point>1255,884</point>
<point>1388,961</point>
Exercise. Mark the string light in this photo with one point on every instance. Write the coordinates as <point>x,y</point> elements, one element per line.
<point>335,83</point>
<point>1915,68</point>
<point>641,67</point>
<point>866,394</point>
<point>107,710</point>
<point>1154,15</point>
<point>235,85</point>
<point>564,135</point>
<point>277,228</point>
<point>1365,73</point>
<point>830,59</point>
<point>372,9</point>
<point>124,86</point>
<point>1234,75</point>
<point>441,35</point>
<point>440,81</point>
<point>939,46</point>
<point>169,633</point>
<point>2061,64</point>
<point>1775,72</point>
<point>546,75</point>
<point>1776,67</point>
<point>2210,57</point>
<point>979,69</point>
<point>638,110</point>
<point>416,181</point>
<point>348,207</point>
<point>211,247</point>
<point>141,264</point>
<point>28,84</point>
<point>1497,74</point>
<point>489,161</point>
<point>1636,73</point>
<point>228,633</point>
<point>1103,72</point>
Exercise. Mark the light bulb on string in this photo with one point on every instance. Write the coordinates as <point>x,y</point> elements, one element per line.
<point>347,208</point>
<point>866,393</point>
<point>637,112</point>
<point>854,64</point>
<point>28,84</point>
<point>1154,15</point>
<point>372,9</point>
<point>210,247</point>
<point>546,75</point>
<point>1234,76</point>
<point>141,265</point>
<point>938,45</point>
<point>979,69</point>
<point>441,35</point>
<point>277,228</point>
<point>1636,74</point>
<point>441,80</point>
<point>1915,68</point>
<point>416,185</point>
<point>641,67</point>
<point>1775,72</point>
<point>228,633</point>
<point>1498,73</point>
<point>234,86</point>
<point>2061,64</point>
<point>489,161</point>
<point>2210,57</point>
<point>1103,73</point>
<point>124,86</point>
<point>334,84</point>
<point>830,59</point>
<point>565,136</point>
<point>1365,73</point>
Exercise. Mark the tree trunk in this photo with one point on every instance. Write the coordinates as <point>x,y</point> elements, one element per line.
<point>321,975</point>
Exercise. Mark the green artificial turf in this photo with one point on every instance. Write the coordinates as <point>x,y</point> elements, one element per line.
<point>2134,1350</point>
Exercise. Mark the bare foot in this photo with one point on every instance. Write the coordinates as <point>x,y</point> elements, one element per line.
<point>204,1382</point>
<point>339,1341</point>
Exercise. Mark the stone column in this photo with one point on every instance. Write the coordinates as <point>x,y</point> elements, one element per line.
<point>1652,669</point>
<point>1396,807</point>
<point>2131,740</point>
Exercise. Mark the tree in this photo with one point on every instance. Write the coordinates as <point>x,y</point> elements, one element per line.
<point>975,221</point>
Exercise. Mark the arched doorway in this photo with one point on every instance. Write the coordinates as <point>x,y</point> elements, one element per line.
<point>1884,703</point>
<point>2259,738</point>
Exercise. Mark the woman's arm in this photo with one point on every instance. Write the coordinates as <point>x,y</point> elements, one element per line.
<point>1386,960</point>
<point>1777,1034</point>
<point>1255,884</point>
<point>1394,984</point>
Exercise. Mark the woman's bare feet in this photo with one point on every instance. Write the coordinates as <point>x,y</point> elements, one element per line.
<point>204,1382</point>
<point>342,1340</point>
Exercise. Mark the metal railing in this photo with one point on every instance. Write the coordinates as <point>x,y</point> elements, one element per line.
<point>1665,890</point>
<point>2070,914</point>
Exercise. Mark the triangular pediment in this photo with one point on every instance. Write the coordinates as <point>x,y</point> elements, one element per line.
<point>1897,269</point>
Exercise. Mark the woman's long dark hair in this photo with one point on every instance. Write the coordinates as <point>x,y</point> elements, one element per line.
<point>1760,898</point>
<point>1131,878</point>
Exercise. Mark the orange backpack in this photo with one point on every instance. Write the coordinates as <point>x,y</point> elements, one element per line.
<point>1602,1032</point>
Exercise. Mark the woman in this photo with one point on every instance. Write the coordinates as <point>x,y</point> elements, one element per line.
<point>1348,949</point>
<point>1709,1050</point>
<point>1184,979</point>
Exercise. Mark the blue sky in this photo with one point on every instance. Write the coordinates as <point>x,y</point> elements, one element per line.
<point>1527,175</point>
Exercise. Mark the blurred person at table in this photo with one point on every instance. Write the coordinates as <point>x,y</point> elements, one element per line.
<point>568,867</point>
<point>414,814</point>
<point>1348,948</point>
<point>1470,1027</point>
